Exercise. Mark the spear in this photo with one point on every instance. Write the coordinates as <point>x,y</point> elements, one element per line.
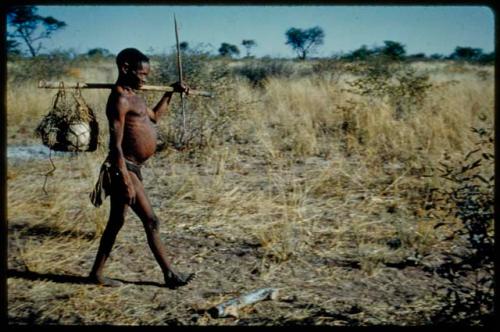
<point>179,71</point>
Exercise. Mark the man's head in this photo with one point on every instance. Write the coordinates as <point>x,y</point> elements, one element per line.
<point>133,67</point>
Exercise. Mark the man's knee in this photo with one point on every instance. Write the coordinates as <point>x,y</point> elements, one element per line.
<point>152,223</point>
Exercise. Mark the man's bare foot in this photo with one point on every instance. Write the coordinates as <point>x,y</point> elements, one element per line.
<point>103,281</point>
<point>174,281</point>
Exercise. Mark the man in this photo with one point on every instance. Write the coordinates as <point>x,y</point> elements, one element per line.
<point>132,140</point>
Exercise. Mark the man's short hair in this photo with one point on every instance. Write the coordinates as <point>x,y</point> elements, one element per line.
<point>132,56</point>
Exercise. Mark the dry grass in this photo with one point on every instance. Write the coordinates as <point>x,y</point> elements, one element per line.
<point>306,196</point>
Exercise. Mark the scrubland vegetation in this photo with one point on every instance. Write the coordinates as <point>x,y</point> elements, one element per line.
<point>362,189</point>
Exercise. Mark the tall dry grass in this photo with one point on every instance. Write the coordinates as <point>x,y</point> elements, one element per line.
<point>308,172</point>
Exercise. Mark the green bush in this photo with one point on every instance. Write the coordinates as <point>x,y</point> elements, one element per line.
<point>332,67</point>
<point>470,201</point>
<point>258,71</point>
<point>404,88</point>
<point>194,67</point>
<point>53,66</point>
<point>204,121</point>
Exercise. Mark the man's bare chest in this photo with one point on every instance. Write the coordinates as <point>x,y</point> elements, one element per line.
<point>137,110</point>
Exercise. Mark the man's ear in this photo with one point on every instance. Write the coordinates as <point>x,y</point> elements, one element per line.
<point>125,68</point>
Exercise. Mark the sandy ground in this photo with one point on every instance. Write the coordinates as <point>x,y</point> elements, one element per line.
<point>327,274</point>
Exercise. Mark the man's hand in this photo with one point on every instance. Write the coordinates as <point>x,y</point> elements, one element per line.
<point>180,87</point>
<point>162,105</point>
<point>130,194</point>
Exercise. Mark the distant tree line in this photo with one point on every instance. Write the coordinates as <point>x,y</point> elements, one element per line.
<point>396,51</point>
<point>30,29</point>
<point>393,51</point>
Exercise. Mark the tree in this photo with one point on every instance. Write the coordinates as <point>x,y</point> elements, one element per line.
<point>13,47</point>
<point>248,43</point>
<point>417,56</point>
<point>467,53</point>
<point>436,56</point>
<point>98,52</point>
<point>304,41</point>
<point>30,27</point>
<point>393,50</point>
<point>487,58</point>
<point>229,50</point>
<point>362,53</point>
<point>184,46</point>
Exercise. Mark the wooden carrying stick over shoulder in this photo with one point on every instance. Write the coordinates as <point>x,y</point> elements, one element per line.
<point>57,85</point>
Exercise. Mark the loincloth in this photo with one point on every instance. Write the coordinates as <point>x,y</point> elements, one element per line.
<point>104,184</point>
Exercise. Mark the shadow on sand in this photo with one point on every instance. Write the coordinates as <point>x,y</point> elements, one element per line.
<point>72,279</point>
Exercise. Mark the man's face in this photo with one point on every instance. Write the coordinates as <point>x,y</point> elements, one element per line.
<point>138,76</point>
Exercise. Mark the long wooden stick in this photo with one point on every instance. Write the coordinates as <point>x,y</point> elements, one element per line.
<point>230,308</point>
<point>181,78</point>
<point>57,85</point>
<point>179,62</point>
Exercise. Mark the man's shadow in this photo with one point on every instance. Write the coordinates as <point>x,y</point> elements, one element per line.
<point>72,279</point>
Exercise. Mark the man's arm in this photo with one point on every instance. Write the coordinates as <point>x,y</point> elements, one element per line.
<point>161,107</point>
<point>164,102</point>
<point>116,112</point>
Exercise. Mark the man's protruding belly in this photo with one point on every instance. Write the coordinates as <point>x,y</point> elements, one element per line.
<point>139,142</point>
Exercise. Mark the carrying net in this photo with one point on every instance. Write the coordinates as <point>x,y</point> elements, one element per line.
<point>71,125</point>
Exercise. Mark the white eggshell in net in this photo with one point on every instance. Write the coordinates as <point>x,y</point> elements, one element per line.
<point>79,134</point>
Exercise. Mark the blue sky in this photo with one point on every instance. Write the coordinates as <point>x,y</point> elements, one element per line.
<point>427,29</point>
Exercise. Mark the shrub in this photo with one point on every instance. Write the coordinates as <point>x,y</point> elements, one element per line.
<point>53,66</point>
<point>203,122</point>
<point>258,71</point>
<point>332,67</point>
<point>469,202</point>
<point>194,67</point>
<point>404,88</point>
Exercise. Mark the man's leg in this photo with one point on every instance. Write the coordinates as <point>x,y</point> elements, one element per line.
<point>143,209</point>
<point>116,219</point>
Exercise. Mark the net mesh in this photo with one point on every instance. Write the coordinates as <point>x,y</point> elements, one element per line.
<point>70,125</point>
